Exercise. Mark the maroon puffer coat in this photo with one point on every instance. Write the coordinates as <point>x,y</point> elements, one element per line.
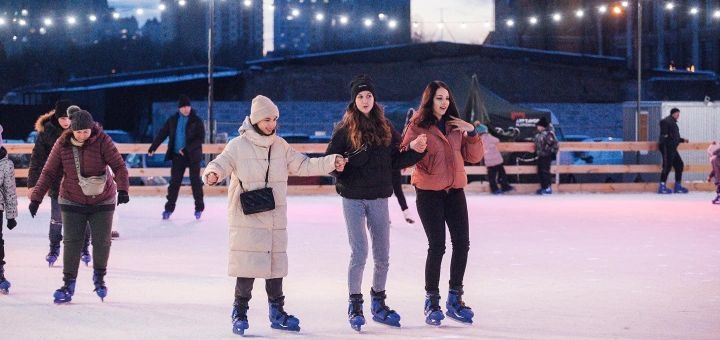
<point>96,154</point>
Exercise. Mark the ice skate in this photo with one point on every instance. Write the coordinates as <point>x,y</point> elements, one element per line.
<point>114,234</point>
<point>166,215</point>
<point>52,255</point>
<point>662,189</point>
<point>85,257</point>
<point>408,216</point>
<point>433,312</point>
<point>239,318</point>
<point>100,288</point>
<point>64,294</point>
<point>281,320</point>
<point>456,308</point>
<point>355,312</point>
<point>381,312</point>
<point>198,214</point>
<point>679,189</point>
<point>4,283</point>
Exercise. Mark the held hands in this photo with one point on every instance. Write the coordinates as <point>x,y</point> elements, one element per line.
<point>123,197</point>
<point>461,124</point>
<point>340,162</point>
<point>211,178</point>
<point>419,144</point>
<point>34,205</point>
<point>11,223</point>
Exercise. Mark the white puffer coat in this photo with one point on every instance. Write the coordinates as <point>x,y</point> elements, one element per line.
<point>258,242</point>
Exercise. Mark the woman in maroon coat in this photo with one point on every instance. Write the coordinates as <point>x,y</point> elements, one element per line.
<point>95,152</point>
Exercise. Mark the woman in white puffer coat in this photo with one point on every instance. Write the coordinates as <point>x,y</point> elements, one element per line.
<point>258,242</point>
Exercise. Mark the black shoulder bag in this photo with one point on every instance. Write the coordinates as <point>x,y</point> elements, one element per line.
<point>259,200</point>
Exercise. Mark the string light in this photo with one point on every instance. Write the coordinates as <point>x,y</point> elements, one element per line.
<point>616,8</point>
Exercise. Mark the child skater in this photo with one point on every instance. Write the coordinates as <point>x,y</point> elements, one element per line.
<point>8,206</point>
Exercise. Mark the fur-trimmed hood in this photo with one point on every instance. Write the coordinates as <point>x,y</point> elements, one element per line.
<point>41,124</point>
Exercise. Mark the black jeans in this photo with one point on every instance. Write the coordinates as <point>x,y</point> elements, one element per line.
<point>397,189</point>
<point>2,242</point>
<point>436,208</point>
<point>543,170</point>
<point>179,163</point>
<point>496,175</point>
<point>671,159</point>
<point>244,286</point>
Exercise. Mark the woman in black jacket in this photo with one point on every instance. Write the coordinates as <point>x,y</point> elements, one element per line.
<point>49,127</point>
<point>365,137</point>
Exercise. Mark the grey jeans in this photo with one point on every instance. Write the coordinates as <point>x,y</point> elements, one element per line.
<point>376,213</point>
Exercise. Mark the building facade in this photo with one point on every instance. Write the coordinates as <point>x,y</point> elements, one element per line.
<point>675,35</point>
<point>237,28</point>
<point>308,26</point>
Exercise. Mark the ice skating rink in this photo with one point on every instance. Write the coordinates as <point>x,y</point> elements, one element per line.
<point>566,266</point>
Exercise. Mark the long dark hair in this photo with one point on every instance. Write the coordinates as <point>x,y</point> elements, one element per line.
<point>424,116</point>
<point>373,129</point>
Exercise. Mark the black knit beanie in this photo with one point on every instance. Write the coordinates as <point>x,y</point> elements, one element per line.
<point>61,107</point>
<point>81,120</point>
<point>361,83</point>
<point>183,101</point>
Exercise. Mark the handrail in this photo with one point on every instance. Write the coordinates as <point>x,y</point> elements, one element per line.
<point>511,169</point>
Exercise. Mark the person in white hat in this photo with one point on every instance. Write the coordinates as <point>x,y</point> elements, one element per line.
<point>259,158</point>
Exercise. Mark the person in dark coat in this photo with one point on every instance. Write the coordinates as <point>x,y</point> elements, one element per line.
<point>366,138</point>
<point>49,126</point>
<point>668,144</point>
<point>186,132</point>
<point>84,151</point>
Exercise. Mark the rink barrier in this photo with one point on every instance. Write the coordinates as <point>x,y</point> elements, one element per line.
<point>511,169</point>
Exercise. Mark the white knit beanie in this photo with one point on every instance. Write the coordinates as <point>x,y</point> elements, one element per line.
<point>262,107</point>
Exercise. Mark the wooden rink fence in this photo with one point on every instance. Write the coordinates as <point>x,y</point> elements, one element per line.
<point>476,186</point>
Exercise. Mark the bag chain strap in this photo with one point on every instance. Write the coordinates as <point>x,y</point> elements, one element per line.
<point>266,172</point>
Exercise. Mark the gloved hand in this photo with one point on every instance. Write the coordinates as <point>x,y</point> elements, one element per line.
<point>123,197</point>
<point>11,223</point>
<point>34,205</point>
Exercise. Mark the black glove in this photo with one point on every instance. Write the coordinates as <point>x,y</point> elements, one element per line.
<point>123,197</point>
<point>34,205</point>
<point>11,223</point>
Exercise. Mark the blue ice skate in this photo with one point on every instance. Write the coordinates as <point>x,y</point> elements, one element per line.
<point>355,312</point>
<point>381,312</point>
<point>433,312</point>
<point>456,308</point>
<point>86,257</point>
<point>166,215</point>
<point>198,214</point>
<point>4,283</point>
<point>52,255</point>
<point>281,320</point>
<point>100,288</point>
<point>239,318</point>
<point>5,287</point>
<point>64,294</point>
<point>662,189</point>
<point>679,189</point>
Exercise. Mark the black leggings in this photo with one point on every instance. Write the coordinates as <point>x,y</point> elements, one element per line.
<point>244,286</point>
<point>436,208</point>
<point>671,159</point>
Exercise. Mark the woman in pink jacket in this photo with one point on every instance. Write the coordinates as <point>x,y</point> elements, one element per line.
<point>439,179</point>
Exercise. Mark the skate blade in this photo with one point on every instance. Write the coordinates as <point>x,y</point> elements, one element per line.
<point>459,319</point>
<point>387,323</point>
<point>285,329</point>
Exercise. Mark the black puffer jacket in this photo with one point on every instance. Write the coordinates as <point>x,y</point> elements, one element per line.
<point>670,133</point>
<point>368,173</point>
<point>48,132</point>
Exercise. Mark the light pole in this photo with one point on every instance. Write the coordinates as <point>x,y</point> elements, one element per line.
<point>211,68</point>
